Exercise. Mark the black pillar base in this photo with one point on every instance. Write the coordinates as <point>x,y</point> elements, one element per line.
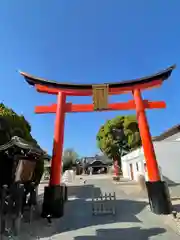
<point>159,197</point>
<point>65,191</point>
<point>53,204</point>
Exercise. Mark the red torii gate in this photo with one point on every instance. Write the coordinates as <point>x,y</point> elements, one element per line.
<point>156,188</point>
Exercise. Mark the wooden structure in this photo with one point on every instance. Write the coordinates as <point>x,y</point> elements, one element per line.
<point>21,156</point>
<point>100,97</point>
<point>20,173</point>
<point>104,204</point>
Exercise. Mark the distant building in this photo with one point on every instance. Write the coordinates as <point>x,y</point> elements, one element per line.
<point>167,149</point>
<point>95,164</point>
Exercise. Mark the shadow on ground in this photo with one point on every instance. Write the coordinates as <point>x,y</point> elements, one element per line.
<point>78,215</point>
<point>83,191</point>
<point>176,207</point>
<point>123,234</point>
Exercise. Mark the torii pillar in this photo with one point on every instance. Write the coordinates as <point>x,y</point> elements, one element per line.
<point>56,170</point>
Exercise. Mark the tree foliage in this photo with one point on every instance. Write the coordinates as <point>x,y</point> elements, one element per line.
<point>12,124</point>
<point>110,143</point>
<point>69,158</point>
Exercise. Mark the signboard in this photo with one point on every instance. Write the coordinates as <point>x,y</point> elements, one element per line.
<point>100,96</point>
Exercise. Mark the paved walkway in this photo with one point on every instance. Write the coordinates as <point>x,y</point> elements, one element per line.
<point>133,219</point>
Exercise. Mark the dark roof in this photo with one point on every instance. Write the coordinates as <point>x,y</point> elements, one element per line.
<point>168,133</point>
<point>21,143</point>
<point>97,162</point>
<point>90,160</point>
<point>162,75</point>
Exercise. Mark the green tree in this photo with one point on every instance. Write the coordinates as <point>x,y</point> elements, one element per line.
<point>12,124</point>
<point>115,143</point>
<point>69,158</point>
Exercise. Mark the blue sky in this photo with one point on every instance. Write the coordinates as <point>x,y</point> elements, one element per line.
<point>87,41</point>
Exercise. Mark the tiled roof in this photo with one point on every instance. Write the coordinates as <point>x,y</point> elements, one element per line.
<point>168,133</point>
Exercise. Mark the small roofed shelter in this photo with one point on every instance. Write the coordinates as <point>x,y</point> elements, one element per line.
<point>20,154</point>
<point>98,166</point>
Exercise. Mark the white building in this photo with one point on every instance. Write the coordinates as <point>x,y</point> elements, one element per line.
<point>167,149</point>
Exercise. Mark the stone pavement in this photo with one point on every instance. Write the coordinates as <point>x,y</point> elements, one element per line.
<point>133,219</point>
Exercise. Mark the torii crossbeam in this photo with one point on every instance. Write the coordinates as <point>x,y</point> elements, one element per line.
<point>100,94</point>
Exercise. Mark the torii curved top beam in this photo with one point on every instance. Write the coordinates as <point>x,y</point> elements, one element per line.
<point>162,75</point>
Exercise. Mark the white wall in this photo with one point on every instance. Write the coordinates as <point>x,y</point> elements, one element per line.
<point>135,157</point>
<point>167,155</point>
